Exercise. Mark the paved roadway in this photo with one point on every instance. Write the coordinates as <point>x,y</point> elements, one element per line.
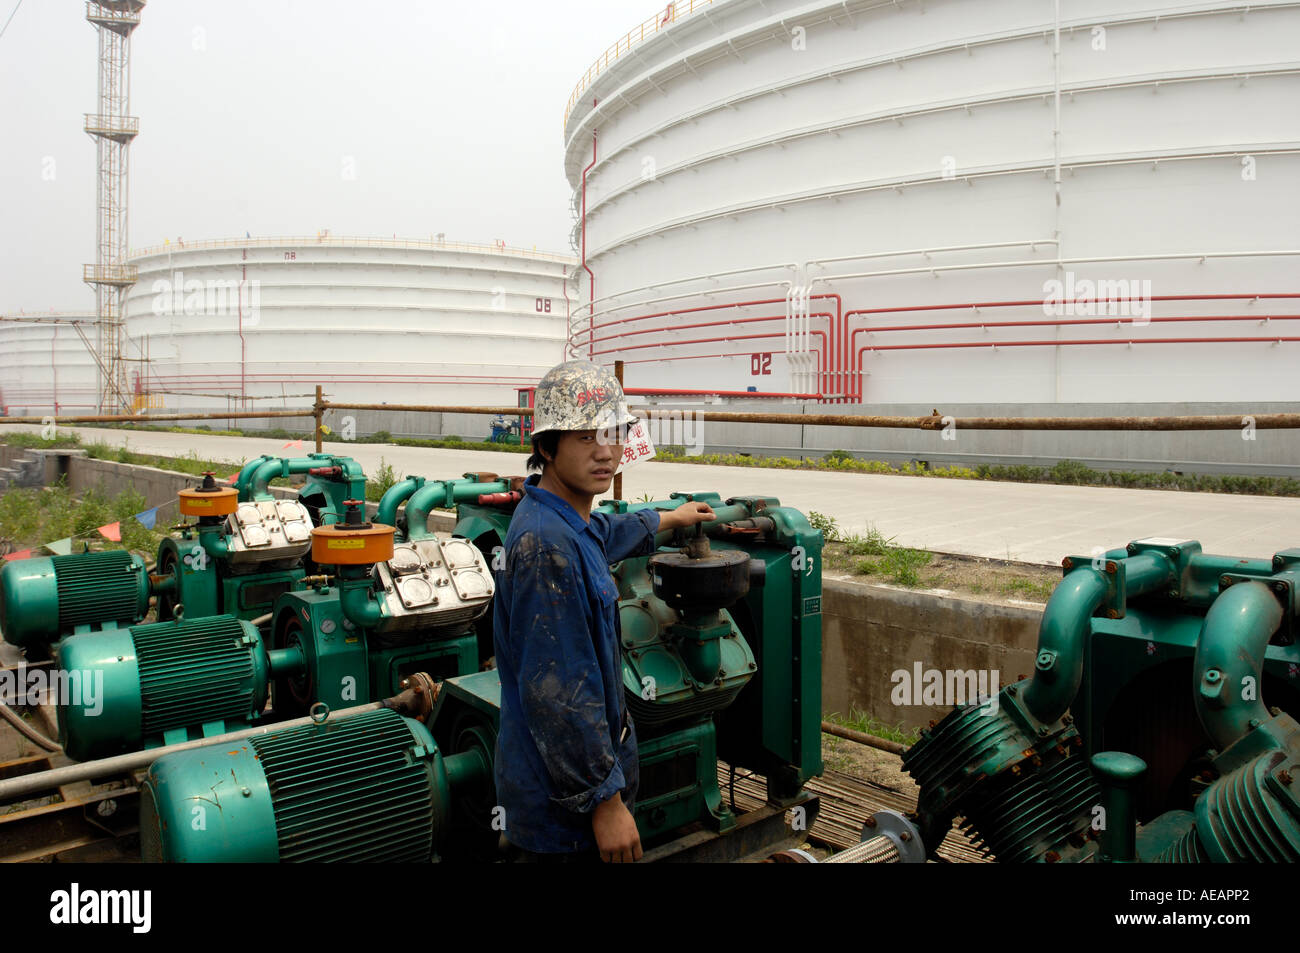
<point>1035,523</point>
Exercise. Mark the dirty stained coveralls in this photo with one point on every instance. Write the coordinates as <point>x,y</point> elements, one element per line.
<point>557,653</point>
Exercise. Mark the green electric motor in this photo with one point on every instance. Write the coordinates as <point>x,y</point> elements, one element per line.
<point>159,684</point>
<point>46,598</point>
<point>366,787</point>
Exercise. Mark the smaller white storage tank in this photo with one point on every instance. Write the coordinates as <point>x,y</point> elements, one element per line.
<point>45,366</point>
<point>251,322</point>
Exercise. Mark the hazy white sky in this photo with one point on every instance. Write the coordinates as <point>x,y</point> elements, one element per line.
<point>449,115</point>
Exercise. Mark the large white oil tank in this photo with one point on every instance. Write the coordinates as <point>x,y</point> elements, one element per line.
<point>894,201</point>
<point>46,364</point>
<point>256,322</point>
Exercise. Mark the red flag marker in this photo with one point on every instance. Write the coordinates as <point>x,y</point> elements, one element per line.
<point>111,531</point>
<point>21,554</point>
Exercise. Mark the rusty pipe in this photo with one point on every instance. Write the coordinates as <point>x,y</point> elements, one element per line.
<point>939,421</point>
<point>154,418</point>
<point>862,738</point>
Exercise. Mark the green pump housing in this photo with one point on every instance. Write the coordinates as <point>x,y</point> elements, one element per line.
<point>239,565</point>
<point>165,683</point>
<point>46,598</point>
<point>370,787</point>
<point>213,567</point>
<point>1145,708</point>
<point>331,479</point>
<point>378,624</point>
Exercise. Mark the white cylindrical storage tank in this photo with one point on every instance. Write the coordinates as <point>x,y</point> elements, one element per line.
<point>1018,201</point>
<point>46,367</point>
<point>371,320</point>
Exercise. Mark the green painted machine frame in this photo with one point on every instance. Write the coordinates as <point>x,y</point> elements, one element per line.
<point>1151,667</point>
<point>352,666</point>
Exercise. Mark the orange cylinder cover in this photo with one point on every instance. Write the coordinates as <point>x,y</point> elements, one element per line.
<point>339,545</point>
<point>220,502</point>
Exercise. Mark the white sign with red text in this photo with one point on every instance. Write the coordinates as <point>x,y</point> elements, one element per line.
<point>639,448</point>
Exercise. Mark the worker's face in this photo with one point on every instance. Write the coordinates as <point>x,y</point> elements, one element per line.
<point>585,461</point>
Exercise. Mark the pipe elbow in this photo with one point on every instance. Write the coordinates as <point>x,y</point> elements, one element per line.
<point>397,495</point>
<point>264,474</point>
<point>359,608</point>
<point>215,545</point>
<point>1062,638</point>
<point>418,507</point>
<point>246,474</point>
<point>1230,661</point>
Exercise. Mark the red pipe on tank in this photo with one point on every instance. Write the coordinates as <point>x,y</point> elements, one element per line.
<point>662,314</point>
<point>54,369</point>
<point>839,304</point>
<point>821,362</point>
<point>855,384</point>
<point>591,294</point>
<point>826,367</point>
<point>927,347</point>
<point>707,307</point>
<point>683,392</point>
<point>243,387</point>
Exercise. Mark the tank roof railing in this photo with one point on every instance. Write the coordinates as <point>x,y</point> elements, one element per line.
<point>671,14</point>
<point>349,242</point>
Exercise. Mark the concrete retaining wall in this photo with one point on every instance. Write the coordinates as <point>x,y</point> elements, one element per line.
<point>869,632</point>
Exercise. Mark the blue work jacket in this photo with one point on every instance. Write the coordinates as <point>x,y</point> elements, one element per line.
<point>556,636</point>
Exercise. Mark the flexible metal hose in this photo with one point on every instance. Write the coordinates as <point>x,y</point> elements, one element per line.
<point>26,730</point>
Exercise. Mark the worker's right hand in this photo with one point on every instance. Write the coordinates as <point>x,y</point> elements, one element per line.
<point>616,833</point>
<point>688,514</point>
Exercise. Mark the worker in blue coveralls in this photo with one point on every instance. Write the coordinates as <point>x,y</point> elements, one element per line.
<point>566,757</point>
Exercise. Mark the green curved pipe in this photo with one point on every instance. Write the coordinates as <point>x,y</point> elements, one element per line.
<point>243,482</point>
<point>355,601</point>
<point>443,493</point>
<point>1230,651</point>
<point>264,474</point>
<point>281,467</point>
<point>396,495</point>
<point>213,542</point>
<point>1063,633</point>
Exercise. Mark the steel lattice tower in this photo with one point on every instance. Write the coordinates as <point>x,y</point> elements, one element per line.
<point>113,131</point>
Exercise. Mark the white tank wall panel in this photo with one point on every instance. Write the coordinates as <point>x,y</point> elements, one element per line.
<point>904,132</point>
<point>44,365</point>
<point>369,320</point>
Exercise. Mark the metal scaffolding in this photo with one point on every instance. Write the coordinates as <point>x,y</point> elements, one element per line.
<point>113,131</point>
